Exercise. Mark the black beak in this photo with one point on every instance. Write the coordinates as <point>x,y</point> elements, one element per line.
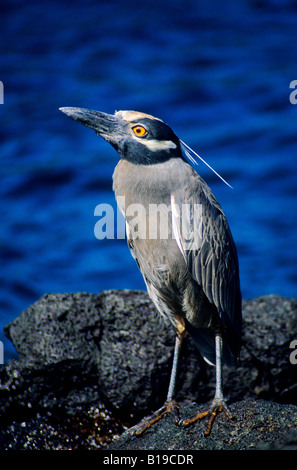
<point>104,124</point>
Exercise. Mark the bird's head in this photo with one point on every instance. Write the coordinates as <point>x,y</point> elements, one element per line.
<point>138,137</point>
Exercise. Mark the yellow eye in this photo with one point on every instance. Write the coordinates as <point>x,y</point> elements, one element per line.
<point>140,131</point>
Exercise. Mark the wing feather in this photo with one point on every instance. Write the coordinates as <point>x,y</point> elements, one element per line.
<point>213,262</point>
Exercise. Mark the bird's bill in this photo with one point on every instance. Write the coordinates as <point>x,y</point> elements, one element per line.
<point>103,124</point>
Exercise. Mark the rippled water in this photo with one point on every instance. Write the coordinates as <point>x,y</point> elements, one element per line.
<point>217,72</point>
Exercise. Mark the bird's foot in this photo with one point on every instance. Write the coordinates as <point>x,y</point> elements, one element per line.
<point>218,405</point>
<point>169,407</point>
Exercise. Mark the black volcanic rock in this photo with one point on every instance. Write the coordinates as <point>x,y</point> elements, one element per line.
<point>89,366</point>
<point>256,424</point>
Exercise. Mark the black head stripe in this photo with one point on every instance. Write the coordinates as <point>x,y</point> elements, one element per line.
<point>158,130</point>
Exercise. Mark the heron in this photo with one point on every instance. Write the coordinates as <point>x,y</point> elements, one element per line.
<point>192,273</point>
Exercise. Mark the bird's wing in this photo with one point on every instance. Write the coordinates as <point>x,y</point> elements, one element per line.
<point>205,240</point>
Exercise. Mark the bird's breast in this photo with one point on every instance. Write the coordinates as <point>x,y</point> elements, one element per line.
<point>146,184</point>
<point>149,196</point>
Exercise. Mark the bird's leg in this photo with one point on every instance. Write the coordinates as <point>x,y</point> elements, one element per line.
<point>218,404</point>
<point>170,406</point>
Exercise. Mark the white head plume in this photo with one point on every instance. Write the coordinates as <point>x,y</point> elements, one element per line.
<point>189,154</point>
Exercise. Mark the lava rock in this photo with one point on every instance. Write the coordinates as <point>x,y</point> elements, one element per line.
<point>256,424</point>
<point>80,348</point>
<point>111,352</point>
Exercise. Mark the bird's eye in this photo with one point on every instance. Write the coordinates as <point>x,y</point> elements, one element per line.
<point>140,131</point>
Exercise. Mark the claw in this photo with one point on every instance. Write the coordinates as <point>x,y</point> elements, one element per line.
<point>216,407</point>
<point>168,407</point>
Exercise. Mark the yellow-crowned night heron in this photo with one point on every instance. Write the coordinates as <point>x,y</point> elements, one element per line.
<point>191,272</point>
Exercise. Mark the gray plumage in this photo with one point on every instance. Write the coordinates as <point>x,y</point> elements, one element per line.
<point>202,284</point>
<point>189,262</point>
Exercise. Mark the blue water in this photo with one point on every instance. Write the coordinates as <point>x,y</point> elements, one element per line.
<point>217,72</point>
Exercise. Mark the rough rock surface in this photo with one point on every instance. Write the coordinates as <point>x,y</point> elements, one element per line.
<point>89,366</point>
<point>255,425</point>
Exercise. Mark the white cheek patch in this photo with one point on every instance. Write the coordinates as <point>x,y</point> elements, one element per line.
<point>156,145</point>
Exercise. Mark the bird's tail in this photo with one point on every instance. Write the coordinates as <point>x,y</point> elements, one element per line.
<point>204,340</point>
